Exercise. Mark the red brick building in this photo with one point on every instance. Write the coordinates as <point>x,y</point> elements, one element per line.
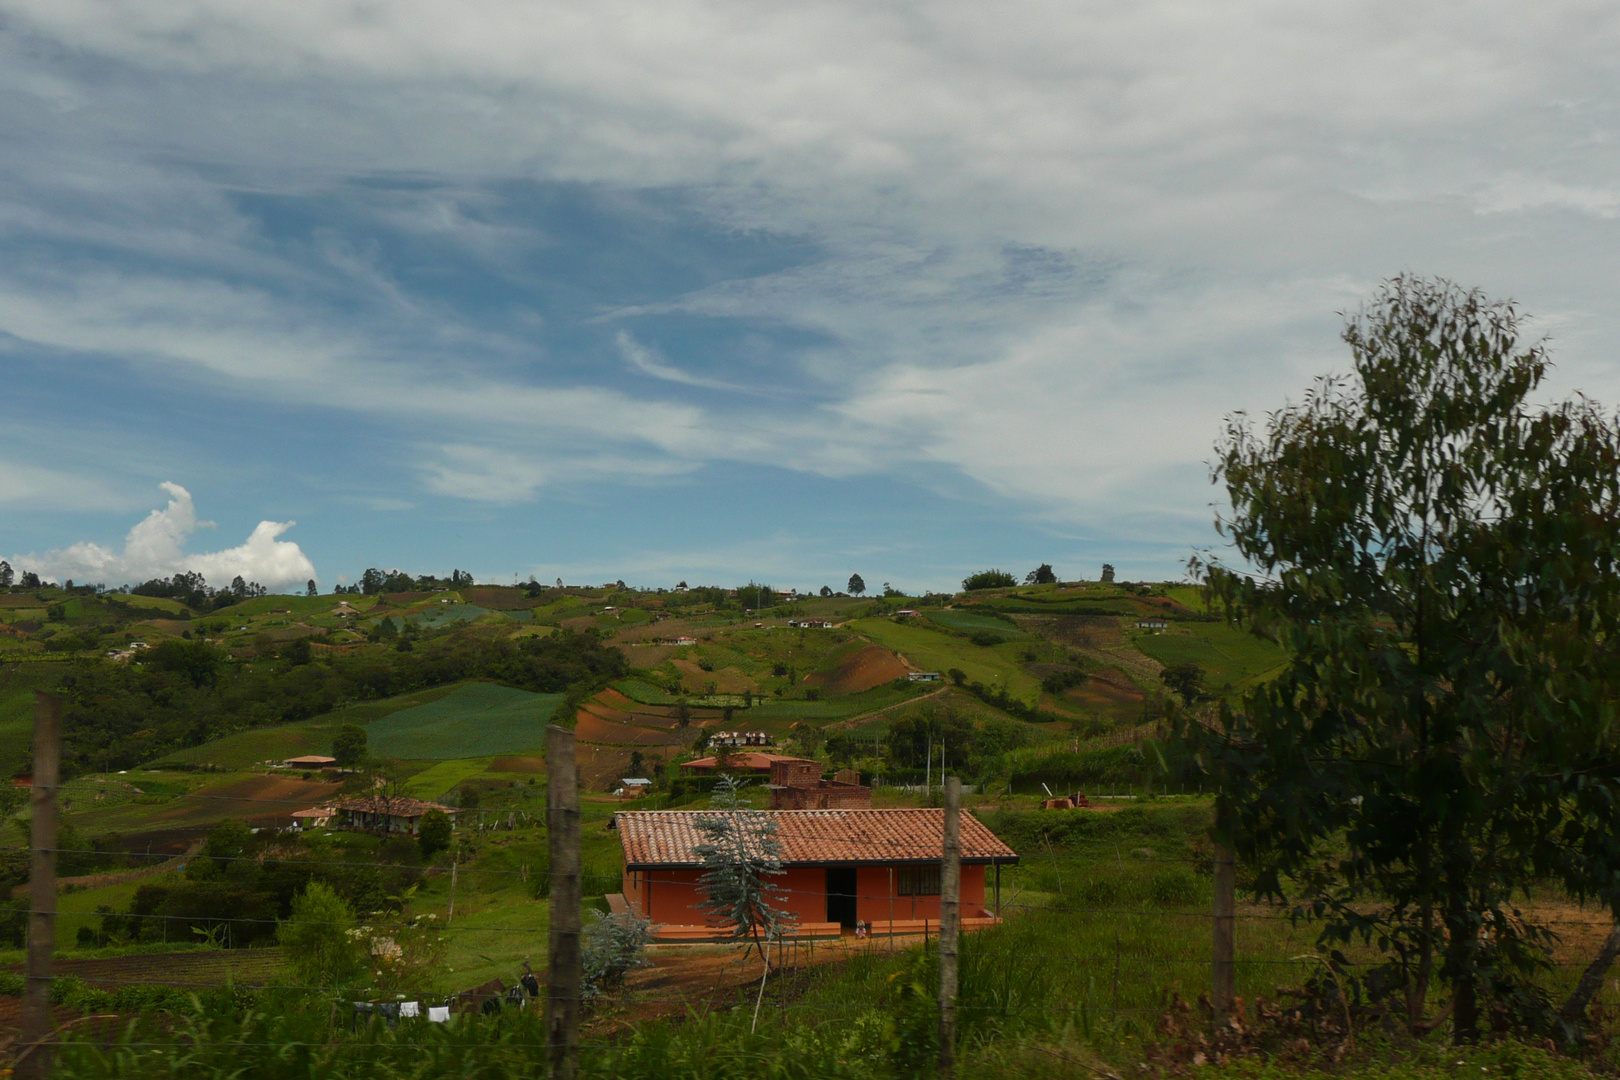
<point>880,868</point>
<point>797,785</point>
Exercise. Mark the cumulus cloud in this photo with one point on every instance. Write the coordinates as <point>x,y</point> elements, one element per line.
<point>155,548</point>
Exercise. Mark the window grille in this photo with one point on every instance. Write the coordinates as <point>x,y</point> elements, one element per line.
<point>918,880</point>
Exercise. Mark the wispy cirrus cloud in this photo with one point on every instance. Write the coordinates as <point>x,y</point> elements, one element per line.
<point>1027,254</point>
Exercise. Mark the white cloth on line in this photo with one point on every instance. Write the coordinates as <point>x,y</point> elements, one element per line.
<point>410,1008</point>
<point>439,1014</point>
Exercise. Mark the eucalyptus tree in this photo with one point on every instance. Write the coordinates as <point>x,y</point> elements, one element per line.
<point>1437,554</point>
<point>740,854</point>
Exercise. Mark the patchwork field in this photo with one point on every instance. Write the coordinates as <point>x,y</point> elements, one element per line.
<point>474,720</point>
<point>1230,657</point>
<point>931,650</point>
<point>168,811</point>
<point>246,749</point>
<point>857,668</point>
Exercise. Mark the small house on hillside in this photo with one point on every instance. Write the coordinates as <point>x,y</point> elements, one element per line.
<point>749,762</point>
<point>877,868</point>
<point>741,738</point>
<point>309,761</point>
<point>387,813</point>
<point>923,676</point>
<point>316,817</point>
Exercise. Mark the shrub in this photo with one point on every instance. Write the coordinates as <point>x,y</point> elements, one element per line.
<point>614,946</point>
<point>988,579</point>
<point>319,938</point>
<point>434,833</point>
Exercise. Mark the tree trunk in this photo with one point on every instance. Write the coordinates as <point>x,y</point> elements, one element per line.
<point>1574,1010</point>
<point>1464,1011</point>
<point>1417,993</point>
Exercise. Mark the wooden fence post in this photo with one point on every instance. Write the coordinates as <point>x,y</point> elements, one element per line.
<point>36,1019</point>
<point>950,924</point>
<point>1224,953</point>
<point>564,970</point>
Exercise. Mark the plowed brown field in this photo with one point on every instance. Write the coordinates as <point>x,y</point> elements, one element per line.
<point>864,669</point>
<point>518,764</point>
<point>593,729</point>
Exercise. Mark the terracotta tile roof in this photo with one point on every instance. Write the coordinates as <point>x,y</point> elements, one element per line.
<point>743,761</point>
<point>814,837</point>
<point>398,806</point>
<point>314,812</point>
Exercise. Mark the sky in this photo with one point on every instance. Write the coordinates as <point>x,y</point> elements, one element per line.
<point>725,291</point>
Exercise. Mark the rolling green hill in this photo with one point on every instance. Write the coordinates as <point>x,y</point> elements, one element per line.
<point>1229,656</point>
<point>475,720</point>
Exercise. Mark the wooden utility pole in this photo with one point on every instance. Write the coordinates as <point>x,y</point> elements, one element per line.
<point>36,1020</point>
<point>950,924</point>
<point>1224,952</point>
<point>563,974</point>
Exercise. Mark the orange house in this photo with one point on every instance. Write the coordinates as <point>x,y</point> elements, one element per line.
<point>877,870</point>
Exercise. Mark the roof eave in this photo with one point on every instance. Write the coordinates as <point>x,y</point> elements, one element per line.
<point>978,860</point>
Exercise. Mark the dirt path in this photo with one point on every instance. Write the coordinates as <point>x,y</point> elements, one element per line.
<point>856,721</point>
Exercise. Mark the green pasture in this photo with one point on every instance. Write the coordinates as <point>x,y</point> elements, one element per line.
<point>436,616</point>
<point>443,777</point>
<point>474,720</point>
<point>975,622</point>
<point>1190,597</point>
<point>1230,657</point>
<point>245,749</point>
<point>933,650</point>
<point>644,691</point>
<point>296,605</point>
<point>827,710</point>
<point>154,603</point>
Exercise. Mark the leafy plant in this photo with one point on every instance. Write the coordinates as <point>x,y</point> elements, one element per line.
<point>1438,556</point>
<point>614,946</point>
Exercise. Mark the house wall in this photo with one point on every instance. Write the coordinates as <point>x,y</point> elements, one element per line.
<point>673,896</point>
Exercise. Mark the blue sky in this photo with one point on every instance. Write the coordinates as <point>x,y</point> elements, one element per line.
<point>711,291</point>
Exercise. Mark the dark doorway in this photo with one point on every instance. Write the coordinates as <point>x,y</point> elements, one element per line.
<point>841,895</point>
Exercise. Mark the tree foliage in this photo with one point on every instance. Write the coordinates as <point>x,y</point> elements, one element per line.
<point>856,586</point>
<point>1186,680</point>
<point>435,833</point>
<point>988,579</point>
<point>740,854</point>
<point>1437,555</point>
<point>614,946</point>
<point>319,939</point>
<point>349,745</point>
<point>1041,575</point>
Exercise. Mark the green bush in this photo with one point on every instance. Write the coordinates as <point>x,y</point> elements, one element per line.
<point>321,949</point>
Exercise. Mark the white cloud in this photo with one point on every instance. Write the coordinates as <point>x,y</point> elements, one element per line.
<point>1198,187</point>
<point>648,362</point>
<point>155,548</point>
